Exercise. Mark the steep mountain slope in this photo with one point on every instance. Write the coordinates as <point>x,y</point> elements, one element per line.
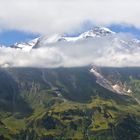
<point>10,99</point>
<point>115,86</point>
<point>68,103</point>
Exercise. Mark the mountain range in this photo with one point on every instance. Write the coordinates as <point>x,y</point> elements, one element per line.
<point>96,32</point>
<point>71,103</point>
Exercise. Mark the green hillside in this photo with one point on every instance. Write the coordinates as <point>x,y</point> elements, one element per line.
<point>67,104</point>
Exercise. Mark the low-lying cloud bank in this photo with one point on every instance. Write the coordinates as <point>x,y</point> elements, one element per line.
<point>100,52</point>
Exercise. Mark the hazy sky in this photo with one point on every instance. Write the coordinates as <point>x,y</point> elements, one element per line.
<point>58,16</point>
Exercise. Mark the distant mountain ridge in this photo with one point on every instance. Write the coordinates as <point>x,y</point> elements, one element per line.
<point>96,32</point>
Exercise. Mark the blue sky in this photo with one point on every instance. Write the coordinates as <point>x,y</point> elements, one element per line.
<point>10,37</point>
<point>126,29</point>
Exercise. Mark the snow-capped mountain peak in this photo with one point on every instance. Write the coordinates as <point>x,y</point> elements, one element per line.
<point>88,34</point>
<point>27,46</point>
<point>103,30</point>
<point>97,32</point>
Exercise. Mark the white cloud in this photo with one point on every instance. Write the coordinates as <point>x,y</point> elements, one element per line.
<point>58,16</point>
<point>101,52</point>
